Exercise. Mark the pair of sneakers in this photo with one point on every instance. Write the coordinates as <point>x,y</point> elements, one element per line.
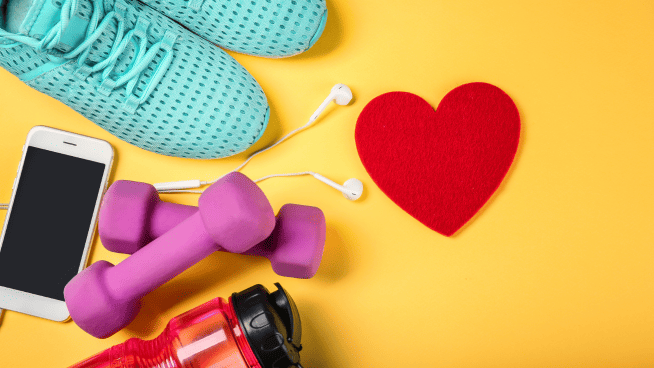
<point>150,72</point>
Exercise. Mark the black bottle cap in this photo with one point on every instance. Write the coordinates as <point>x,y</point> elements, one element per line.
<point>271,324</point>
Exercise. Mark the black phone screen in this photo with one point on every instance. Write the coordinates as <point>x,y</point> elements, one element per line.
<point>49,222</point>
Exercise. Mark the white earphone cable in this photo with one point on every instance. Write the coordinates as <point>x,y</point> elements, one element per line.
<point>4,206</point>
<point>180,191</point>
<point>288,174</point>
<point>290,134</point>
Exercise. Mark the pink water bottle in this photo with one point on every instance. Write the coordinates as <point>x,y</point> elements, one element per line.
<point>255,329</point>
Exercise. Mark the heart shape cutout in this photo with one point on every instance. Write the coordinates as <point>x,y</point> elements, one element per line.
<point>439,166</point>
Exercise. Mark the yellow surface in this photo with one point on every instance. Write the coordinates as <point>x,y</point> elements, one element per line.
<point>557,270</point>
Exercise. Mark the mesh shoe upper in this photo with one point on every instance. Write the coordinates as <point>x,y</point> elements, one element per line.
<point>205,105</point>
<point>270,28</point>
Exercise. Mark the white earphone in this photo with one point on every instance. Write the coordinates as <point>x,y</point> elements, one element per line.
<point>340,94</point>
<point>352,189</point>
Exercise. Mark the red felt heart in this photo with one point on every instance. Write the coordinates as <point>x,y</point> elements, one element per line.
<point>439,166</point>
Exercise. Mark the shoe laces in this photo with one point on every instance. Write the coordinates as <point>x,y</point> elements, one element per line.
<point>130,77</point>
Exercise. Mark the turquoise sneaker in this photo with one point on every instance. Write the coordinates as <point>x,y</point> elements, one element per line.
<point>270,28</point>
<point>135,73</point>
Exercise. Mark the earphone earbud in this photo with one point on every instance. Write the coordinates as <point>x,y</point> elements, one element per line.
<point>340,94</point>
<point>352,189</point>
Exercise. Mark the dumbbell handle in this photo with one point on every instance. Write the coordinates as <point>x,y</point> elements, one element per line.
<point>162,259</point>
<point>166,216</point>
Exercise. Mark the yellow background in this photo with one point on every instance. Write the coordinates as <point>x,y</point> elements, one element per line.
<point>556,271</point>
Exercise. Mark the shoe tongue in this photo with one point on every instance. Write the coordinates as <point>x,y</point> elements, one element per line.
<point>45,14</point>
<point>16,11</point>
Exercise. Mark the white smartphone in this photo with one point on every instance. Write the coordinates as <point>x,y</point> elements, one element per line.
<point>51,219</point>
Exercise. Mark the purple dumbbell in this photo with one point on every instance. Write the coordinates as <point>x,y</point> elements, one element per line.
<point>234,214</point>
<point>294,248</point>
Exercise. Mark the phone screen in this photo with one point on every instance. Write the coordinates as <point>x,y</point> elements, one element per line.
<point>49,222</point>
